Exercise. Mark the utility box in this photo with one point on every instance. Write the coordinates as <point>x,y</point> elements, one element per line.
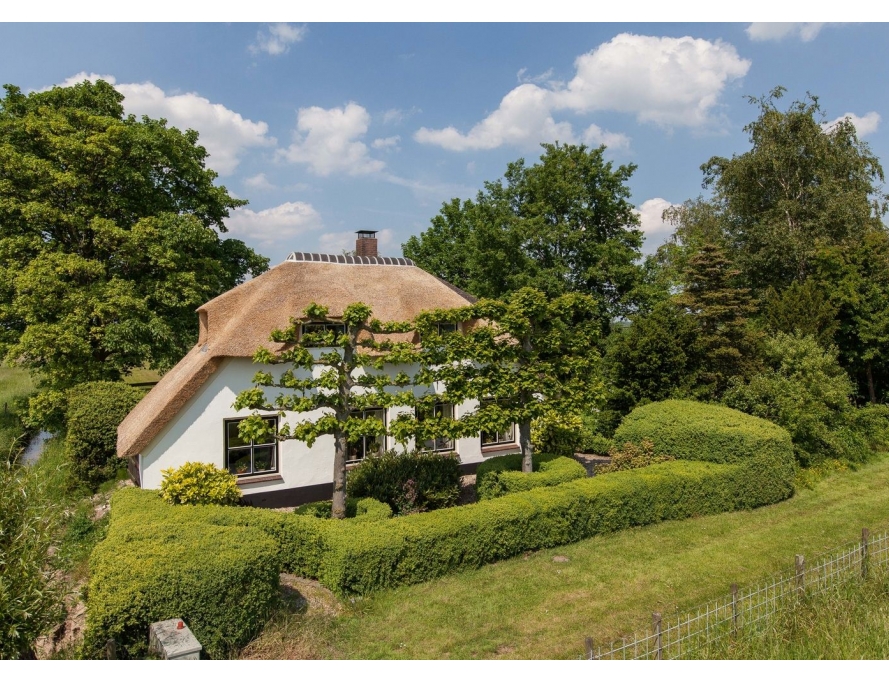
<point>172,639</point>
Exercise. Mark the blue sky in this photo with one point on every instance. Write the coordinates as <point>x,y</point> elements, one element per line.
<point>331,128</point>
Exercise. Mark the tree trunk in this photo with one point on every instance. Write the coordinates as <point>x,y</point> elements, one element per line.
<point>870,383</point>
<point>339,476</point>
<point>527,448</point>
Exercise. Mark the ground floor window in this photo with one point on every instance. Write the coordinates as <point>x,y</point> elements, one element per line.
<point>441,410</point>
<point>367,445</point>
<point>504,436</point>
<point>243,458</point>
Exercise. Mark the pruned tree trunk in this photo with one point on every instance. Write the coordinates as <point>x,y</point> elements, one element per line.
<point>338,510</point>
<point>872,391</point>
<point>527,448</point>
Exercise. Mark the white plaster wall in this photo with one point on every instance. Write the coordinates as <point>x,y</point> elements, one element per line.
<point>196,434</point>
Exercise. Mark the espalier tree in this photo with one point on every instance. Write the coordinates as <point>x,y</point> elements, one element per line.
<point>520,358</point>
<point>338,370</point>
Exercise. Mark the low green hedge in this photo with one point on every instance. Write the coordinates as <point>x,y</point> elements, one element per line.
<point>502,475</point>
<point>366,508</point>
<point>362,558</point>
<point>223,581</point>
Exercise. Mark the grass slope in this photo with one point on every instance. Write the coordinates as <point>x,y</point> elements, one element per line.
<point>533,607</point>
<point>15,383</point>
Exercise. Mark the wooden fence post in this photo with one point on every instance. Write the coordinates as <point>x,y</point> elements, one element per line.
<point>110,649</point>
<point>734,608</point>
<point>800,574</point>
<point>865,539</point>
<point>589,648</point>
<point>659,645</point>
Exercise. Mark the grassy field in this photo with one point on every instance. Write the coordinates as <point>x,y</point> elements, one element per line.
<point>15,383</point>
<point>533,607</point>
<point>850,621</point>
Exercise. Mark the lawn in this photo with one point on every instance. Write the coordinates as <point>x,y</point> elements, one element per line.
<point>534,607</point>
<point>15,383</point>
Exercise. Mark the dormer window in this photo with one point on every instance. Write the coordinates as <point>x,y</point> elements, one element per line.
<point>322,328</point>
<point>446,328</point>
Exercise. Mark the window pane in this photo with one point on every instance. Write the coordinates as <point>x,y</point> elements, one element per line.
<point>488,438</point>
<point>446,328</point>
<point>263,458</point>
<point>233,440</point>
<point>239,461</point>
<point>508,434</point>
<point>375,445</point>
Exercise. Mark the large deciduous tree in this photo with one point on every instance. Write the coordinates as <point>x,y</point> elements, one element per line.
<point>801,182</point>
<point>109,236</point>
<point>562,225</point>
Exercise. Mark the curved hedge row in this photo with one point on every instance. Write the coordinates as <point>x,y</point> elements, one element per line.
<point>502,475</point>
<point>702,431</point>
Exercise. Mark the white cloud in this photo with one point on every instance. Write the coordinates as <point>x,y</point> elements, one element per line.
<point>777,30</point>
<point>864,125</point>
<point>546,77</point>
<point>653,226</point>
<point>393,117</point>
<point>277,38</point>
<point>386,143</point>
<point>278,224</point>
<point>259,182</point>
<point>524,119</point>
<point>224,133</point>
<point>84,76</point>
<point>327,140</point>
<point>665,81</point>
<point>338,242</point>
<point>595,136</point>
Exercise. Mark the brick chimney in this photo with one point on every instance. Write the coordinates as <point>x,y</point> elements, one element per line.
<point>366,244</point>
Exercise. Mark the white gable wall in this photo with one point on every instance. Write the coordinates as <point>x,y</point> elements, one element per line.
<point>196,433</point>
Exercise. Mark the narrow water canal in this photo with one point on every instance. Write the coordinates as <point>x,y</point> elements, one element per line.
<point>35,448</point>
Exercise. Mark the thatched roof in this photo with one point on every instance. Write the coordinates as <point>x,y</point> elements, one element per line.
<point>238,322</point>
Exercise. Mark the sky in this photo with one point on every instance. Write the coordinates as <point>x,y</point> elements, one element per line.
<point>329,128</point>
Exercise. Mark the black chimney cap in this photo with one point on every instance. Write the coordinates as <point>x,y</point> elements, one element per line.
<point>366,233</point>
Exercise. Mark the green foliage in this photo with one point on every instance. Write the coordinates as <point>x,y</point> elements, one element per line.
<point>804,309</point>
<point>655,358</point>
<point>688,430</point>
<point>30,596</point>
<point>368,508</point>
<point>108,230</point>
<point>407,482</point>
<point>800,185</point>
<point>804,390</point>
<point>520,358</point>
<point>631,457</point>
<point>95,409</point>
<point>197,483</point>
<point>557,433</point>
<point>595,443</point>
<point>503,475</point>
<point>562,225</point>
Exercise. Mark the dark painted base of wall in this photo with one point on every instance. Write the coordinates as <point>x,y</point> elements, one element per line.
<point>309,494</point>
<point>289,497</point>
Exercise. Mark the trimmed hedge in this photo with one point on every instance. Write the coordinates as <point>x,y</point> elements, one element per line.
<point>200,483</point>
<point>702,431</point>
<point>502,475</point>
<point>95,409</point>
<point>368,508</point>
<point>223,581</point>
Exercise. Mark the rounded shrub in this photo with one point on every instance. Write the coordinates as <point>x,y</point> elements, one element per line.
<point>407,482</point>
<point>502,475</point>
<point>557,433</point>
<point>94,410</point>
<point>199,483</point>
<point>689,430</point>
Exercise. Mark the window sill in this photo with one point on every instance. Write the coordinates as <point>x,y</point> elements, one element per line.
<point>259,478</point>
<point>500,447</point>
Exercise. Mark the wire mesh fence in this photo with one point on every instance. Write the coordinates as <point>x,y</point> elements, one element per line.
<point>684,635</point>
